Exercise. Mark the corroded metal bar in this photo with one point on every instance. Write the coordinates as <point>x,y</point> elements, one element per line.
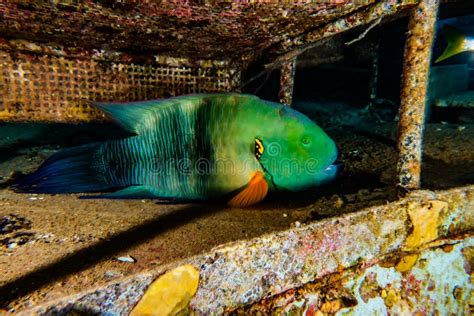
<point>413,94</point>
<point>287,79</point>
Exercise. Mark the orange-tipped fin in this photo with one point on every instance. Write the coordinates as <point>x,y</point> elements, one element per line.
<point>455,40</point>
<point>254,192</point>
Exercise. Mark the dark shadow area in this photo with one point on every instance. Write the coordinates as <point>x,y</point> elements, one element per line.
<point>85,258</point>
<point>10,181</point>
<point>17,138</point>
<point>261,82</point>
<point>336,71</point>
<point>347,183</point>
<point>435,177</point>
<point>334,82</point>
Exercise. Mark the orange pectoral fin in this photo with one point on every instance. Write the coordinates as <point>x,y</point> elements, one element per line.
<point>254,192</point>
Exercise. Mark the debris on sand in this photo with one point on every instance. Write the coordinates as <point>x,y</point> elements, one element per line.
<point>13,222</point>
<point>13,227</point>
<point>128,259</point>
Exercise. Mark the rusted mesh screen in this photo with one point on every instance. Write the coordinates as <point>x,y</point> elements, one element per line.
<point>52,88</point>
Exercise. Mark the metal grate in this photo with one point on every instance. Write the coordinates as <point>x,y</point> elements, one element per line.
<point>52,88</point>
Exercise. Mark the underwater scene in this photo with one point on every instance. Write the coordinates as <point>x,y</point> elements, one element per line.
<point>244,158</point>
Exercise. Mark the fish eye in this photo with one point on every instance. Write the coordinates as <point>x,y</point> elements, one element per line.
<point>305,140</point>
<point>259,148</point>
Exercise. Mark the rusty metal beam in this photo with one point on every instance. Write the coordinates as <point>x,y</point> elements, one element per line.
<point>287,79</point>
<point>421,30</point>
<point>249,271</point>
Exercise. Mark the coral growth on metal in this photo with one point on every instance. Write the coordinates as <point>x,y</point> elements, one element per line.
<point>194,29</point>
<point>429,287</point>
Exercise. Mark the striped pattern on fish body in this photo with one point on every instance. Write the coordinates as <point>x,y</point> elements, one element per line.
<point>186,149</point>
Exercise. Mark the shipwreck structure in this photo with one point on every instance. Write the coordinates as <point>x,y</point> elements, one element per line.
<point>408,256</point>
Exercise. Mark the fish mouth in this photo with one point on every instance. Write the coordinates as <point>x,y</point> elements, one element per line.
<point>335,169</point>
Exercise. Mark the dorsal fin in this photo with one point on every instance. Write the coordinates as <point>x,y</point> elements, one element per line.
<point>131,115</point>
<point>128,115</point>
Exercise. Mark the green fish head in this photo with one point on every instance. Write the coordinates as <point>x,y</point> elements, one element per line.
<point>297,153</point>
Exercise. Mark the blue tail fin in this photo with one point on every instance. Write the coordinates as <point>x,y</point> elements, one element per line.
<point>68,171</point>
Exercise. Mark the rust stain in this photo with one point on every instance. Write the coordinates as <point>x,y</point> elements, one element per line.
<point>448,248</point>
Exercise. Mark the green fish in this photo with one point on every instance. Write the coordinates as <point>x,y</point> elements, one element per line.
<point>457,43</point>
<point>195,147</point>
